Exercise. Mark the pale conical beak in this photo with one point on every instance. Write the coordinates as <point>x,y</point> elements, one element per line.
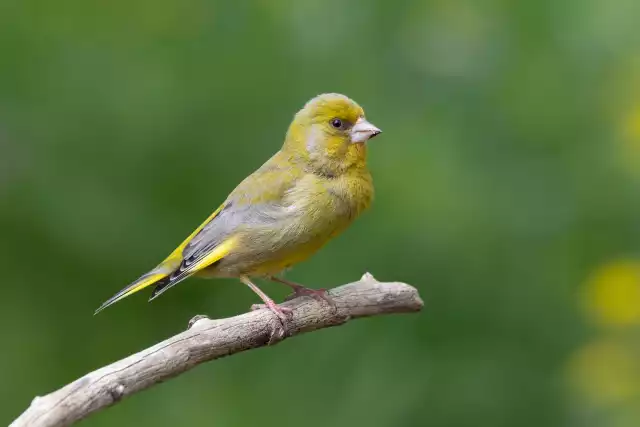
<point>363,131</point>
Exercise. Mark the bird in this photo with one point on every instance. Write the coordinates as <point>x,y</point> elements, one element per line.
<point>308,192</point>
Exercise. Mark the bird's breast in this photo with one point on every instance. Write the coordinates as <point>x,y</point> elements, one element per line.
<point>352,192</point>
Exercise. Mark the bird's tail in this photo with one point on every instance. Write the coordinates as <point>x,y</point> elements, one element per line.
<point>173,270</point>
<point>153,277</point>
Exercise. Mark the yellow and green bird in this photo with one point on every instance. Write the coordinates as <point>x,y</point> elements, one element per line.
<point>307,193</point>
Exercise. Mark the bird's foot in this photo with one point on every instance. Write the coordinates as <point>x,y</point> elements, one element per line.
<point>283,313</point>
<point>299,291</point>
<point>317,294</point>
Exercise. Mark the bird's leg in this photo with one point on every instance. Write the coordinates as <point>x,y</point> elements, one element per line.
<point>281,312</point>
<point>299,290</point>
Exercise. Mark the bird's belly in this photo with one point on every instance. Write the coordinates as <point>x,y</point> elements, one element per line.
<point>277,263</point>
<point>268,262</point>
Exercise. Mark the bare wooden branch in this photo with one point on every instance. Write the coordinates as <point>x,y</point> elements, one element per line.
<point>208,339</point>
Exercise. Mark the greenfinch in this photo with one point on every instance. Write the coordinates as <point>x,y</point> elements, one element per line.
<point>306,194</point>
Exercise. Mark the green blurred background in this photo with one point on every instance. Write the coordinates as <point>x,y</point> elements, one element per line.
<point>508,192</point>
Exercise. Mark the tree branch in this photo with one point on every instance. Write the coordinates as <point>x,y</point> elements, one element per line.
<point>208,339</point>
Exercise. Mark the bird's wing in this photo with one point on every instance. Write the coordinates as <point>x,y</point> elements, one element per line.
<point>258,200</point>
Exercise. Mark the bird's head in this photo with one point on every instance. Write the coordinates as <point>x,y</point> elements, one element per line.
<point>330,134</point>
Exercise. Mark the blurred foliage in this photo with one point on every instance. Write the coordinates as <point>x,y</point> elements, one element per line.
<point>604,372</point>
<point>508,191</point>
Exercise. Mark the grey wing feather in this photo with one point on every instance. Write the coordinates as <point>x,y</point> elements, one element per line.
<point>238,214</point>
<point>229,222</point>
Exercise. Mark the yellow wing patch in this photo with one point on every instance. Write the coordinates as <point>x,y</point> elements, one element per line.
<point>177,252</point>
<point>216,254</point>
<point>207,260</point>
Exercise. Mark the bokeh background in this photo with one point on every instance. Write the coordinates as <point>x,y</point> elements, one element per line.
<point>508,192</point>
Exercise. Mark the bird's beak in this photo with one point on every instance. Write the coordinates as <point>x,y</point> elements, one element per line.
<point>362,131</point>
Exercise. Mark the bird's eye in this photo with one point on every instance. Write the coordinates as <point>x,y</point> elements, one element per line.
<point>336,123</point>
